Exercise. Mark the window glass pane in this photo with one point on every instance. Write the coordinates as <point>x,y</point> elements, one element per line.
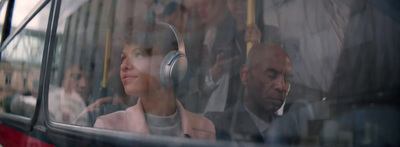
<point>21,11</point>
<point>20,67</point>
<point>77,66</point>
<point>286,72</point>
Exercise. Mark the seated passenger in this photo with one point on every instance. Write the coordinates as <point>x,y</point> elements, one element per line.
<point>145,58</point>
<point>66,103</point>
<point>265,76</point>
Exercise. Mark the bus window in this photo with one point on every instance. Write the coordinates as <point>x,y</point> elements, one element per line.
<point>258,71</point>
<point>21,61</point>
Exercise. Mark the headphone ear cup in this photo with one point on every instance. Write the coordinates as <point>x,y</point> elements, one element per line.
<point>179,69</point>
<point>173,68</point>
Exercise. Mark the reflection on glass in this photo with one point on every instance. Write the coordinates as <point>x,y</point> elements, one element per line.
<point>21,11</point>
<point>77,70</point>
<point>20,69</point>
<point>66,102</point>
<point>315,66</point>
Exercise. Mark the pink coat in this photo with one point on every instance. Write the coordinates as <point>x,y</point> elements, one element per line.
<point>133,120</point>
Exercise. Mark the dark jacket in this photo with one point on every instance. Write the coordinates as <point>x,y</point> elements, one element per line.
<point>236,124</point>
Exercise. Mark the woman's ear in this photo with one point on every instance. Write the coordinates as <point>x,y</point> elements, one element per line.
<point>244,74</point>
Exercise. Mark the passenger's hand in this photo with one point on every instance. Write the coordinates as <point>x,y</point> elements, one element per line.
<point>222,65</point>
<point>98,103</point>
<point>253,34</point>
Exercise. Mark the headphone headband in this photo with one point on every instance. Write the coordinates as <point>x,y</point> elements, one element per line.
<point>178,36</point>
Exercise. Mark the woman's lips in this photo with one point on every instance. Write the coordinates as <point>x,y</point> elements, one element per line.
<point>126,78</point>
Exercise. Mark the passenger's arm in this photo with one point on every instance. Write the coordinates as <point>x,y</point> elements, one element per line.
<point>214,74</point>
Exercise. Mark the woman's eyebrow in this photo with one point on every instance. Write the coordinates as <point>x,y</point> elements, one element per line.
<point>147,50</point>
<point>134,50</point>
<point>137,49</point>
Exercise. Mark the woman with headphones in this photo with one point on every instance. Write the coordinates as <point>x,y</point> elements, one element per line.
<point>153,61</point>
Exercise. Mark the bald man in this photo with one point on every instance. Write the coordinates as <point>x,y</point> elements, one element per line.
<point>266,78</point>
<point>227,47</point>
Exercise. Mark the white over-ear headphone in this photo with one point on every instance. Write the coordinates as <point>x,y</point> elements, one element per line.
<point>174,65</point>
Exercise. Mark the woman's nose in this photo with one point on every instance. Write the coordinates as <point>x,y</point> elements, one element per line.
<point>126,65</point>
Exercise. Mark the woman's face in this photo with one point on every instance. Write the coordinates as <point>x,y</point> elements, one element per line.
<point>140,70</point>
